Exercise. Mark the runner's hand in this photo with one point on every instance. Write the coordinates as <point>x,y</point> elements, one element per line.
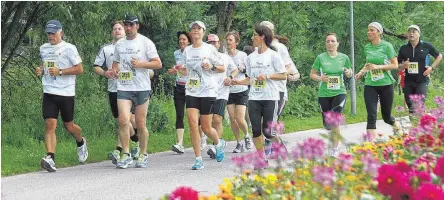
<point>371,66</point>
<point>172,71</point>
<point>227,81</point>
<point>261,77</point>
<point>324,78</point>
<point>135,62</point>
<point>428,71</point>
<point>109,74</point>
<point>38,71</point>
<point>53,71</point>
<point>405,65</point>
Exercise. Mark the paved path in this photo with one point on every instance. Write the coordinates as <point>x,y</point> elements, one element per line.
<point>166,171</point>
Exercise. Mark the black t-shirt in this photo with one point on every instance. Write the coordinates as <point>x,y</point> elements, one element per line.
<point>420,54</point>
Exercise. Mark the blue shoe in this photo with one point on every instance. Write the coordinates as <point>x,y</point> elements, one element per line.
<point>220,153</point>
<point>198,164</point>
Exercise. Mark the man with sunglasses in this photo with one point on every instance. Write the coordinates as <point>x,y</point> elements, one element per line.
<point>134,55</point>
<point>61,64</point>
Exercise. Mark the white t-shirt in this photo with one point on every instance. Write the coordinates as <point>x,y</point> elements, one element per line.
<point>230,66</point>
<point>63,55</point>
<point>105,59</point>
<point>239,60</point>
<point>180,79</point>
<point>201,83</point>
<point>283,51</point>
<point>269,62</point>
<point>134,79</point>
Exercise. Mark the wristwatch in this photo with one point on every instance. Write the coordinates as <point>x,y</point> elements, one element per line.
<point>213,68</point>
<point>60,72</point>
<point>268,76</point>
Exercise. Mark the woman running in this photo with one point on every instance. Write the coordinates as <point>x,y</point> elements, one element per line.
<point>265,68</point>
<point>202,63</point>
<point>332,65</point>
<point>238,98</point>
<point>380,59</point>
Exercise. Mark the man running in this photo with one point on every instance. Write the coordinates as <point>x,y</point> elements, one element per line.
<point>134,55</point>
<point>61,64</point>
<point>103,67</point>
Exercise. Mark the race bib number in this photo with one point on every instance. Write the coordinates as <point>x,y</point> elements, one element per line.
<point>49,64</point>
<point>413,68</point>
<point>334,83</point>
<point>193,83</point>
<point>259,85</point>
<point>126,78</point>
<point>376,74</point>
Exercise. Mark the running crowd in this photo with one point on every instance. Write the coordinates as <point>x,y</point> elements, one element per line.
<point>250,85</point>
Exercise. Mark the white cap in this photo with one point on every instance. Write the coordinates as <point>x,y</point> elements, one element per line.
<point>377,25</point>
<point>415,27</point>
<point>201,24</point>
<point>267,24</point>
<point>212,38</point>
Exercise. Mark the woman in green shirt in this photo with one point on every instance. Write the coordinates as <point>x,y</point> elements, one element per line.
<point>380,59</point>
<point>332,66</point>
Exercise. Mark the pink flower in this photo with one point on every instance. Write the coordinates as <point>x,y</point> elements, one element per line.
<point>439,101</point>
<point>429,191</point>
<point>368,137</point>
<point>428,122</point>
<point>423,177</point>
<point>426,140</point>
<point>344,161</point>
<point>388,152</point>
<point>403,167</point>
<point>439,168</point>
<point>259,161</point>
<point>370,163</point>
<point>425,162</point>
<point>390,180</point>
<point>239,161</point>
<point>333,119</point>
<point>402,192</point>
<point>311,148</point>
<point>277,127</point>
<point>278,151</point>
<point>324,175</point>
<point>184,193</point>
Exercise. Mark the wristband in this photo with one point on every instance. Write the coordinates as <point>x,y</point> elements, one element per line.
<point>213,68</point>
<point>268,76</point>
<point>231,77</point>
<point>60,72</point>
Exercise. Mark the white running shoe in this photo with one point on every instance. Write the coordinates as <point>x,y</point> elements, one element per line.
<point>82,151</point>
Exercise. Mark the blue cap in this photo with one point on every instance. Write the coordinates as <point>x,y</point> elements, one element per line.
<point>131,19</point>
<point>53,26</point>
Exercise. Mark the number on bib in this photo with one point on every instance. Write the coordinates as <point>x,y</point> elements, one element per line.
<point>193,83</point>
<point>376,74</point>
<point>413,68</point>
<point>334,83</point>
<point>126,78</point>
<point>259,85</point>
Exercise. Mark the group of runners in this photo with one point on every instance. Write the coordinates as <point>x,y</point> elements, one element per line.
<point>253,88</point>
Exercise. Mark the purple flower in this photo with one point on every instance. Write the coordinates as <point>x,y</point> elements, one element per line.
<point>277,127</point>
<point>387,152</point>
<point>333,119</point>
<point>439,101</point>
<point>416,97</point>
<point>438,112</point>
<point>311,148</point>
<point>239,161</point>
<point>399,108</point>
<point>344,161</point>
<point>368,137</point>
<point>371,164</point>
<point>324,175</point>
<point>278,151</point>
<point>259,160</point>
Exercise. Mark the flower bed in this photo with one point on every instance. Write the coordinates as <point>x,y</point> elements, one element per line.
<point>406,167</point>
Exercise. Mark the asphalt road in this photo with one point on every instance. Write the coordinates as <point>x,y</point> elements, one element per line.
<point>166,171</point>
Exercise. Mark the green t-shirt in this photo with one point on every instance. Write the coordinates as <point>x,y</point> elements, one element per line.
<point>334,69</point>
<point>380,54</point>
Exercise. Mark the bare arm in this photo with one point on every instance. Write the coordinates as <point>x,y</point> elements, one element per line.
<point>154,63</point>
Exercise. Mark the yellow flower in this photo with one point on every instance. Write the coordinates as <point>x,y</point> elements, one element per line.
<point>271,177</point>
<point>238,198</point>
<point>351,178</point>
<point>341,183</point>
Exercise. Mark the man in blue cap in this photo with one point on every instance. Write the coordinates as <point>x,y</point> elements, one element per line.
<point>61,63</point>
<point>134,56</point>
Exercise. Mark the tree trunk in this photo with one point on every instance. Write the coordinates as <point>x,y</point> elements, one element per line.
<point>225,15</point>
